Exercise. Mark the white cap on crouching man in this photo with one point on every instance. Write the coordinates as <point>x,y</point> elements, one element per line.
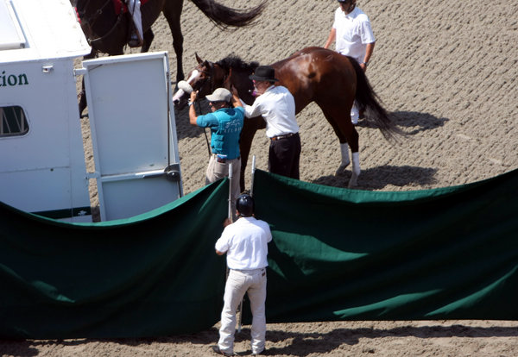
<point>220,95</point>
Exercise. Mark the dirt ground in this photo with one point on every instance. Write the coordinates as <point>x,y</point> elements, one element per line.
<point>446,71</point>
<point>361,338</point>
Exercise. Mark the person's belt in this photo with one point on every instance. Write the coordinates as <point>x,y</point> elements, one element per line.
<point>279,137</point>
<point>223,160</point>
<point>251,271</point>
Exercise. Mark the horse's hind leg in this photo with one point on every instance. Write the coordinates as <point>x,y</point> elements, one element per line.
<point>352,138</point>
<point>173,13</point>
<point>340,120</point>
<point>344,150</point>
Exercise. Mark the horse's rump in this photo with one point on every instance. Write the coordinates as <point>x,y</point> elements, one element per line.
<point>313,73</point>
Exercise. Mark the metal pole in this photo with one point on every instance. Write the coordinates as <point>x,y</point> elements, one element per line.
<point>204,129</point>
<point>253,176</point>
<point>240,308</point>
<point>230,178</point>
<point>230,216</point>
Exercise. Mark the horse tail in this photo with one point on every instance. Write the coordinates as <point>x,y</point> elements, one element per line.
<point>223,16</point>
<point>367,99</point>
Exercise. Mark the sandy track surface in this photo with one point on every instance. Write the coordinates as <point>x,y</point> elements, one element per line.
<point>446,71</point>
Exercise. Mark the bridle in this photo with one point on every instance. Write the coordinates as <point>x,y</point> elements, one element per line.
<point>210,76</point>
<point>208,79</point>
<point>90,21</point>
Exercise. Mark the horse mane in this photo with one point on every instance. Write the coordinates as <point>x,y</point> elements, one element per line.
<point>236,63</point>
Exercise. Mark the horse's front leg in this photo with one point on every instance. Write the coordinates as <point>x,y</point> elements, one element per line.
<point>148,39</point>
<point>173,12</point>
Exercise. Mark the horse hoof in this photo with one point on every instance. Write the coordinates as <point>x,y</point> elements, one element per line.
<point>353,182</point>
<point>341,169</point>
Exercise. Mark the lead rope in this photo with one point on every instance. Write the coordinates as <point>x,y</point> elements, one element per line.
<point>204,129</point>
<point>199,107</point>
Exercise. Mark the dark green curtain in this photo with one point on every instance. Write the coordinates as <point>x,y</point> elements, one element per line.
<point>340,254</point>
<point>154,274</point>
<point>336,254</point>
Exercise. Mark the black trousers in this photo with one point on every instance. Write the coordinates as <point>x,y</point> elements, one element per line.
<point>284,156</point>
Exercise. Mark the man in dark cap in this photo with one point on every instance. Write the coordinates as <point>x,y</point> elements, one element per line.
<point>246,244</point>
<point>276,105</point>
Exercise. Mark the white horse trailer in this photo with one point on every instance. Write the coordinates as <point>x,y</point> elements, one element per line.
<point>42,161</point>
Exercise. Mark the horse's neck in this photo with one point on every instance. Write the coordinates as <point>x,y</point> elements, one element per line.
<point>240,79</point>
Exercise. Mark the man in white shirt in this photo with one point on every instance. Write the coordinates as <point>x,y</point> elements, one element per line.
<point>246,244</point>
<point>277,106</point>
<point>354,37</point>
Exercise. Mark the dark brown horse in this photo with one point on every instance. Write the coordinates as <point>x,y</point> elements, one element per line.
<point>314,74</point>
<point>107,29</point>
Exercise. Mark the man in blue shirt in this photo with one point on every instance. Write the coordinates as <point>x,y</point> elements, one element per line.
<point>225,123</point>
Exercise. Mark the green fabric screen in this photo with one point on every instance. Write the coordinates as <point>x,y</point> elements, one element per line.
<point>337,254</point>
<point>154,274</point>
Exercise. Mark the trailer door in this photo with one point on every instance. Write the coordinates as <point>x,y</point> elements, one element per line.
<point>133,133</point>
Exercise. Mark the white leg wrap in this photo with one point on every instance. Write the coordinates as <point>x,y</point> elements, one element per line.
<point>134,8</point>
<point>344,150</point>
<point>355,169</point>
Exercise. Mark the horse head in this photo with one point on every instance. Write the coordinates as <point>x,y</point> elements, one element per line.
<point>204,79</point>
<point>85,13</point>
<point>104,24</point>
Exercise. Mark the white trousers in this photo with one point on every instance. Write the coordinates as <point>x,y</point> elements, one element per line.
<point>134,9</point>
<point>238,283</point>
<point>355,114</point>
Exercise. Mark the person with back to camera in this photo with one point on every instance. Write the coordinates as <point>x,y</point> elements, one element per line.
<point>354,37</point>
<point>277,106</point>
<point>246,244</point>
<point>225,123</point>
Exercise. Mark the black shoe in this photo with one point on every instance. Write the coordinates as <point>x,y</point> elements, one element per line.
<point>263,352</point>
<point>220,352</point>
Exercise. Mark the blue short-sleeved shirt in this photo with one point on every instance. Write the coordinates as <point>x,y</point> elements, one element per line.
<point>225,125</point>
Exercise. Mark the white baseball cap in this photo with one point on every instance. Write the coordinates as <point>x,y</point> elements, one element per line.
<point>220,95</point>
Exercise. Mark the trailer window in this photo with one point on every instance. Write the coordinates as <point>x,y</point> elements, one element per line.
<point>13,121</point>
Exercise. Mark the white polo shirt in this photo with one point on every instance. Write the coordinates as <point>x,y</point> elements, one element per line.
<point>353,33</point>
<point>246,243</point>
<point>277,106</point>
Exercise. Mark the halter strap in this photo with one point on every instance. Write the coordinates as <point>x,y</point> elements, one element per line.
<point>210,76</point>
